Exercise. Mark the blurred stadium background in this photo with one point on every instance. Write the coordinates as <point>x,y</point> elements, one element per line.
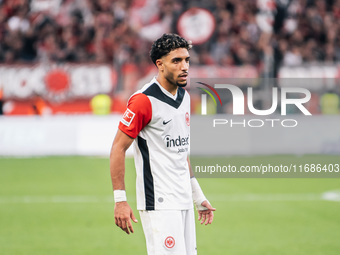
<point>67,68</point>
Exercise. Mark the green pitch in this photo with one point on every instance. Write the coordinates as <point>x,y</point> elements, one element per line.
<point>63,205</point>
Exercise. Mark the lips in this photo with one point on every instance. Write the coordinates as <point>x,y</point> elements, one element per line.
<point>183,76</point>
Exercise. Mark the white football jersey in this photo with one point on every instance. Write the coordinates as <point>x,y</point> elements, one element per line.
<point>160,124</point>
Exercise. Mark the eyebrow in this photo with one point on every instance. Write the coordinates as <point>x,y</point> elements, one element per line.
<point>179,59</point>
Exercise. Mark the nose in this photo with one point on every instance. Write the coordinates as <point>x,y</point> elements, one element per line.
<point>185,65</point>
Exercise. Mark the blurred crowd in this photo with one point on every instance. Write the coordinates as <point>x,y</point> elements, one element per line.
<point>262,33</point>
<point>120,32</point>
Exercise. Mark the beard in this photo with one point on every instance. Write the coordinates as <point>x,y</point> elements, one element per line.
<point>171,79</point>
<point>181,85</point>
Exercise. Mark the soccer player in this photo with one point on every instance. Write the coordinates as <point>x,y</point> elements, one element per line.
<point>157,118</point>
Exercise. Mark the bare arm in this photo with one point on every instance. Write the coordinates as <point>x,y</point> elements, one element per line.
<point>190,169</point>
<point>122,212</point>
<point>117,159</point>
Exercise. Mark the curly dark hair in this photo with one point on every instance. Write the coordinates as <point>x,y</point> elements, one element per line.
<point>168,42</point>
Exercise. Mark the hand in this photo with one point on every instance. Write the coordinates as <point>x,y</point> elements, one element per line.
<point>207,215</point>
<point>123,213</point>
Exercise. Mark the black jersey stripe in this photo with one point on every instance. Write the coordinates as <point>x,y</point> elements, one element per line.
<point>155,91</point>
<point>147,175</point>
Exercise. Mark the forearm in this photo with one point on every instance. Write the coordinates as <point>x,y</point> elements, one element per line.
<point>117,168</point>
<point>117,164</point>
<point>190,169</point>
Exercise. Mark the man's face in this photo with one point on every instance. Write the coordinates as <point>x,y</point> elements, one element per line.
<point>175,67</point>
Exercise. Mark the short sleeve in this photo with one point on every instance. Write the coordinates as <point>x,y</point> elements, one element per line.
<point>137,115</point>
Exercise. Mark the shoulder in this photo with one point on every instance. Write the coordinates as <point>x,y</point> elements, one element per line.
<point>140,104</point>
<point>139,99</point>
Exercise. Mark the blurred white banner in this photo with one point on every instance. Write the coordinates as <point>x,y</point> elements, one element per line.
<point>58,135</point>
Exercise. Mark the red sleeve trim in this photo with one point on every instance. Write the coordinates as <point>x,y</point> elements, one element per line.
<point>137,115</point>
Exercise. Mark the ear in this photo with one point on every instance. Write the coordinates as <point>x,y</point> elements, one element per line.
<point>159,64</point>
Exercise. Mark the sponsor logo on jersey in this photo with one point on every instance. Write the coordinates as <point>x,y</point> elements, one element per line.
<point>128,117</point>
<point>169,242</point>
<point>166,122</point>
<point>176,142</point>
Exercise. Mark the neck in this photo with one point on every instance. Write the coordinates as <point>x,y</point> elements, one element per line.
<point>167,85</point>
